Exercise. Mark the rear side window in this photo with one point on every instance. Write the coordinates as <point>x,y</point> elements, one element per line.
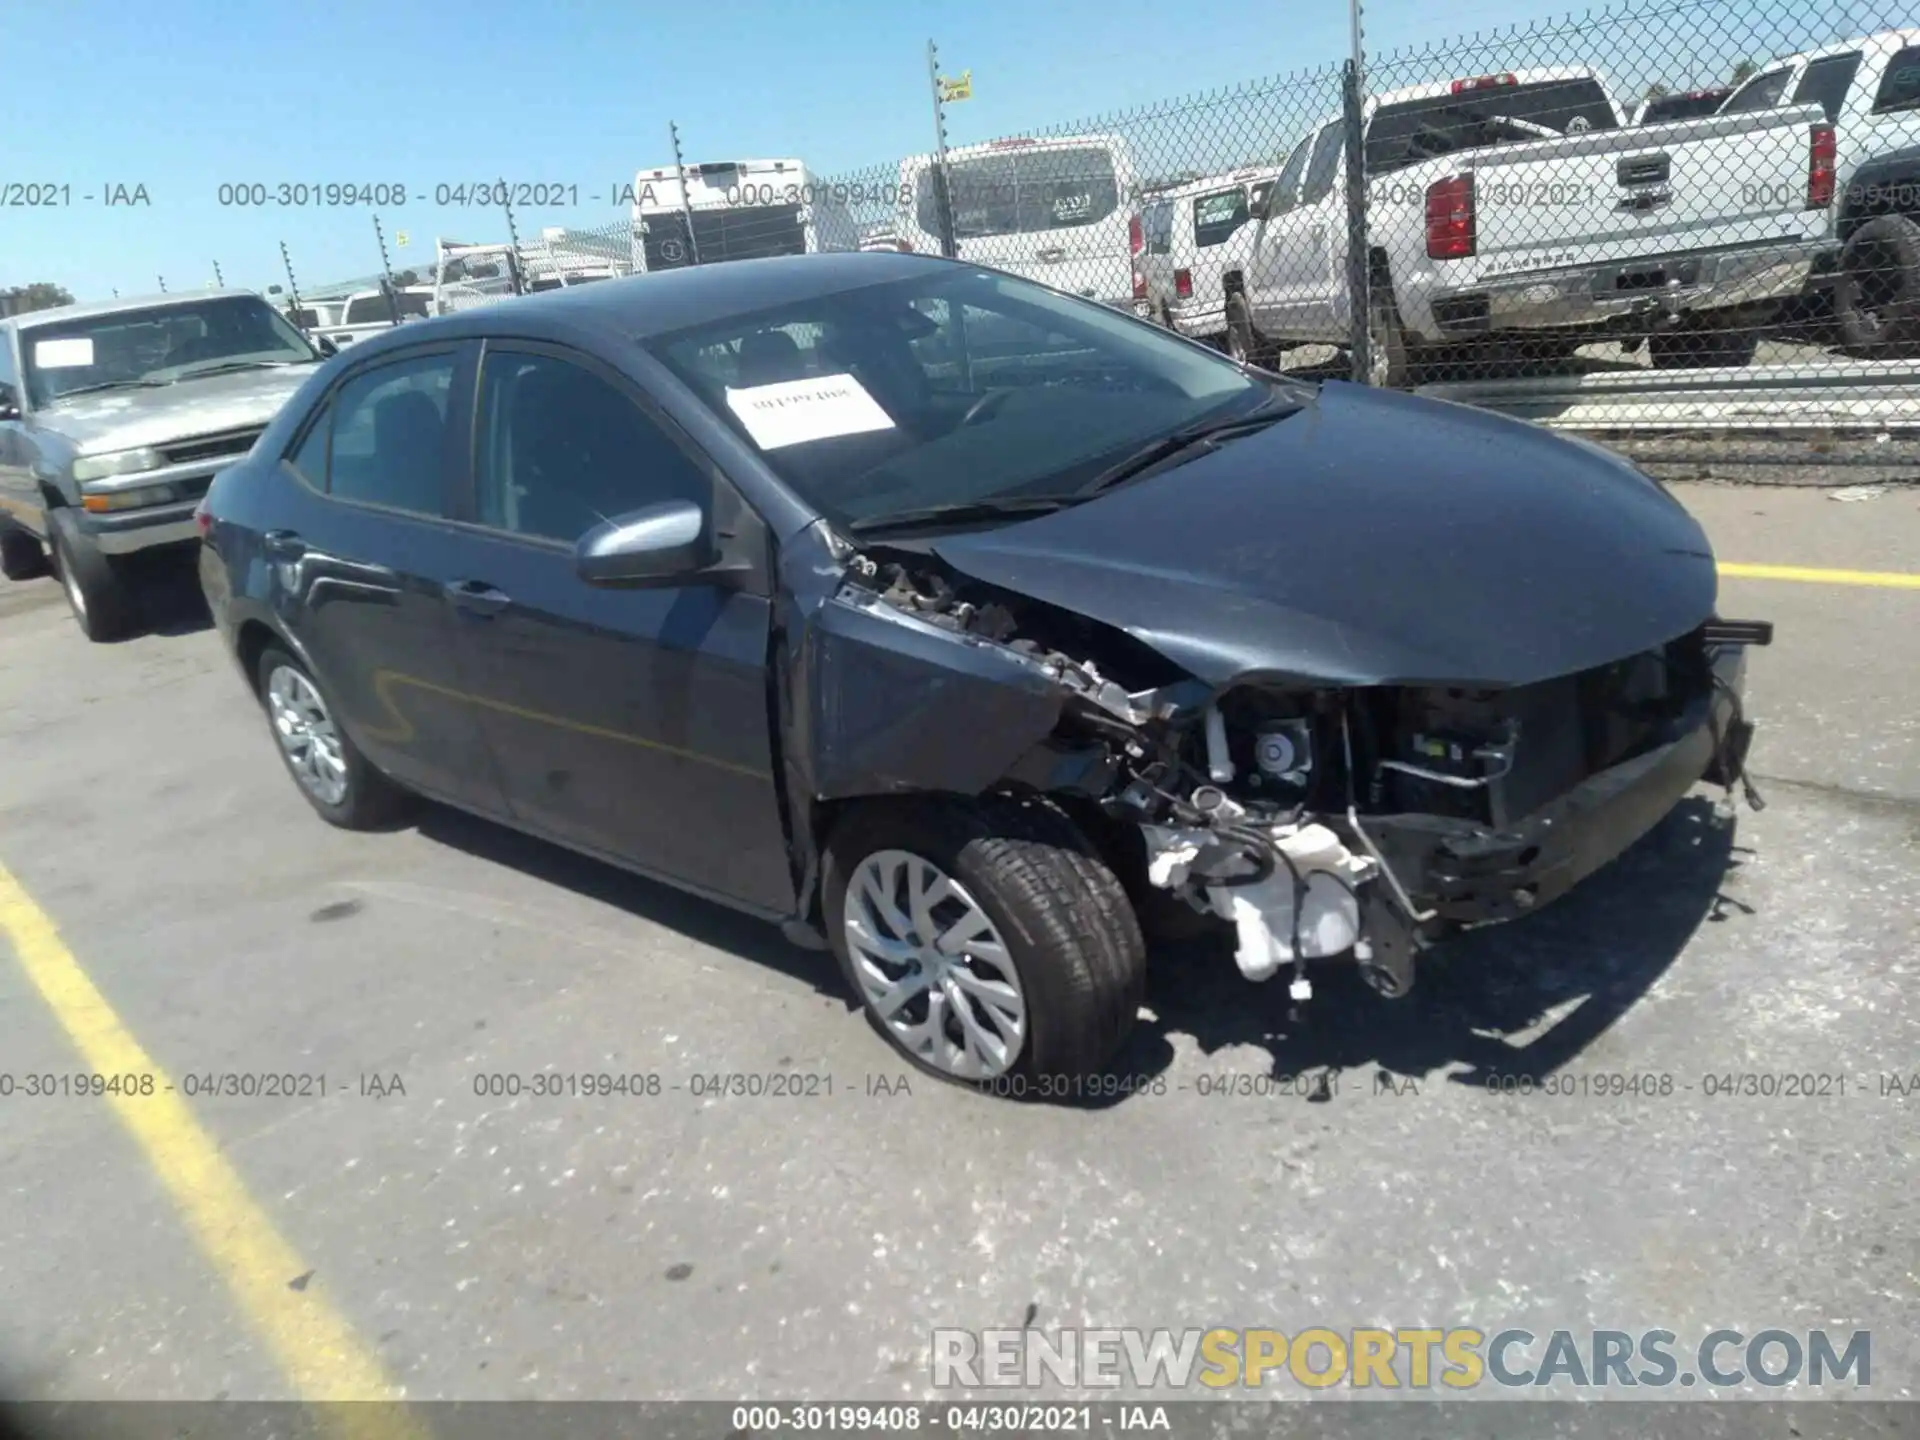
<point>1900,83</point>
<point>1157,221</point>
<point>1326,160</point>
<point>390,435</point>
<point>1826,83</point>
<point>1217,216</point>
<point>309,460</point>
<point>1023,192</point>
<point>1763,92</point>
<point>367,310</point>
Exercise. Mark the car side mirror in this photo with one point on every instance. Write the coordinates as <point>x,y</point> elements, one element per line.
<point>9,408</point>
<point>653,546</point>
<point>326,347</point>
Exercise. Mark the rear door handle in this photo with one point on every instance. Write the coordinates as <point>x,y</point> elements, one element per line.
<point>476,597</point>
<point>283,544</point>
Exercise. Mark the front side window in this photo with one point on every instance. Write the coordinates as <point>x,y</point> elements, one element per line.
<point>1324,165</point>
<point>1286,190</point>
<point>158,345</point>
<point>390,435</point>
<point>1217,216</point>
<point>953,387</point>
<point>562,449</point>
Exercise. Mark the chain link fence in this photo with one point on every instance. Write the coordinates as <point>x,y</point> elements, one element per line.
<point>1650,220</point>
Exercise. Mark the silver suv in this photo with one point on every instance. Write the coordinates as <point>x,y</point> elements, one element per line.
<point>115,417</point>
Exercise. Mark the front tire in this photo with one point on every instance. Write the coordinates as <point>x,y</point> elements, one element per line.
<point>986,940</point>
<point>1245,343</point>
<point>97,593</point>
<point>326,766</point>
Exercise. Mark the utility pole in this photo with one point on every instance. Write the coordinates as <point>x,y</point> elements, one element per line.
<point>686,200</point>
<point>293,288</point>
<point>386,271</point>
<point>219,280</point>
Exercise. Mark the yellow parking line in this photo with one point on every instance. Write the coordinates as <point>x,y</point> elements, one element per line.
<point>314,1346</point>
<point>1884,579</point>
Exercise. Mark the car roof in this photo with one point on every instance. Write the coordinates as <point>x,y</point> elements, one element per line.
<point>1207,185</point>
<point>1880,39</point>
<point>88,310</point>
<point>639,307</point>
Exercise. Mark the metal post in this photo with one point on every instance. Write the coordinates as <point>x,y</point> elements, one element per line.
<point>686,200</point>
<point>515,270</point>
<point>218,278</point>
<point>292,287</point>
<point>386,272</point>
<point>943,195</point>
<point>1359,265</point>
<point>163,283</point>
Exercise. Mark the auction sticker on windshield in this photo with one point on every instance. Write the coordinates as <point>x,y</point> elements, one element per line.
<point>63,354</point>
<point>793,412</point>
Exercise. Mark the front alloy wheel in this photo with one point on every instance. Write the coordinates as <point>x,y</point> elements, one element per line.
<point>932,967</point>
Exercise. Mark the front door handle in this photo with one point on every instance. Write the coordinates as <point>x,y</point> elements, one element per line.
<point>476,597</point>
<point>283,544</point>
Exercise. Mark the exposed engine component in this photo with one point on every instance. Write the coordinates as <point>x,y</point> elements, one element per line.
<point>1291,891</point>
<point>1283,751</point>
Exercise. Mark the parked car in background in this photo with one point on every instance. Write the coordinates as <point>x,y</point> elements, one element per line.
<point>315,317</point>
<point>736,210</point>
<point>1869,89</point>
<point>1195,233</point>
<point>1686,105</point>
<point>762,579</point>
<point>368,312</point>
<point>114,418</point>
<point>1520,205</point>
<point>1060,210</point>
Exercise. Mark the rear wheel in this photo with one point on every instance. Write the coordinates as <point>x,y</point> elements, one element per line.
<point>1876,294</point>
<point>21,557</point>
<point>324,762</point>
<point>97,593</point>
<point>986,940</point>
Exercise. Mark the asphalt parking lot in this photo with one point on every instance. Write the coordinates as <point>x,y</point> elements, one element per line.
<point>685,1245</point>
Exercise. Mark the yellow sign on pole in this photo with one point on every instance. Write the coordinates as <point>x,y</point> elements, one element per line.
<point>400,239</point>
<point>960,89</point>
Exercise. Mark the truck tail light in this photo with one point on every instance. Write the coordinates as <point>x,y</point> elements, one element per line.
<point>203,518</point>
<point>1820,168</point>
<point>1136,235</point>
<point>1183,284</point>
<point>1139,284</point>
<point>1485,82</point>
<point>1450,221</point>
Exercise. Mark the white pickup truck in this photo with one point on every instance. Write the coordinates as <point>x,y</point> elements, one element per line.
<point>1521,204</point>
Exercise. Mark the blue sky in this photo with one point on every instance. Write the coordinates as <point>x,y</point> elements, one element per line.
<point>182,96</point>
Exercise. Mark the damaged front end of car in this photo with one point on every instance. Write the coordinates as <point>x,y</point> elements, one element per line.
<point>1311,820</point>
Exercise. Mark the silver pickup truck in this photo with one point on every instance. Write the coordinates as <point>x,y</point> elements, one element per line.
<point>115,417</point>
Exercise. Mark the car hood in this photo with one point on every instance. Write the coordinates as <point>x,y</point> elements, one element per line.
<point>1373,538</point>
<point>124,419</point>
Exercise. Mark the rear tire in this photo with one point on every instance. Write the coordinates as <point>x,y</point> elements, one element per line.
<point>1876,294</point>
<point>1024,919</point>
<point>96,591</point>
<point>21,555</point>
<point>327,767</point>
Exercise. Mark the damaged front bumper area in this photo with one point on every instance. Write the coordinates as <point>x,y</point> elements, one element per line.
<point>1314,822</point>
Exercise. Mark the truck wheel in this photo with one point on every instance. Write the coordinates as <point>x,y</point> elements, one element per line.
<point>986,940</point>
<point>1390,365</point>
<point>21,557</point>
<point>1877,291</point>
<point>1702,347</point>
<point>97,593</point>
<point>1244,342</point>
<point>332,774</point>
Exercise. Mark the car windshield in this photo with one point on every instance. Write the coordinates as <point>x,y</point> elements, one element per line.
<point>157,345</point>
<point>958,388</point>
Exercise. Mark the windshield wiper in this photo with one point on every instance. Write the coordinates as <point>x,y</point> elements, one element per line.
<point>228,366</point>
<point>960,512</point>
<point>94,389</point>
<point>1191,440</point>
